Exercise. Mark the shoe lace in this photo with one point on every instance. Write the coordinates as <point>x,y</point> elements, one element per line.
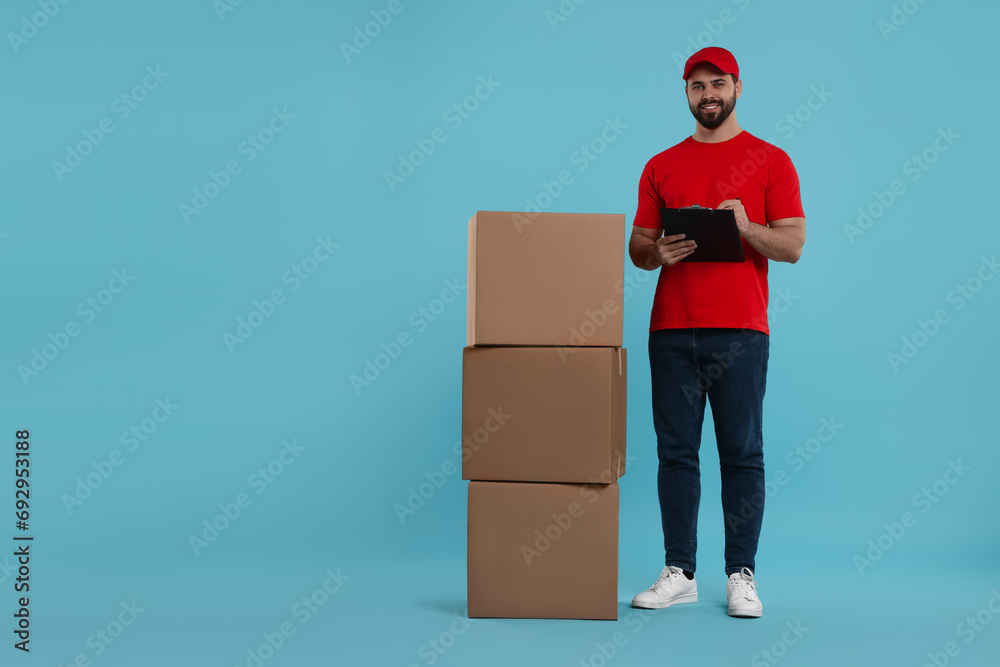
<point>667,577</point>
<point>744,585</point>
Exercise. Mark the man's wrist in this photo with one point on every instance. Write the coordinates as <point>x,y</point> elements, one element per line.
<point>750,230</point>
<point>652,258</point>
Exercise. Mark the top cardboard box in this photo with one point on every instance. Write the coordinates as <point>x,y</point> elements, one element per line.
<point>551,279</point>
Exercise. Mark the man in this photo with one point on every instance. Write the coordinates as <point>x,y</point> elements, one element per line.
<point>708,334</point>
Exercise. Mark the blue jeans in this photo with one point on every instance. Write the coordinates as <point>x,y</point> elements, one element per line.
<point>729,367</point>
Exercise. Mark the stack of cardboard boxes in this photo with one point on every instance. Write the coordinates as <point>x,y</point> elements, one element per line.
<point>543,414</point>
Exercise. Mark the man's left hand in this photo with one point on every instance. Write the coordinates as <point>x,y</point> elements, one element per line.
<point>742,221</point>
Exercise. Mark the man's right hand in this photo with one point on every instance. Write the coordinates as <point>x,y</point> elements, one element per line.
<point>650,251</point>
<point>669,250</point>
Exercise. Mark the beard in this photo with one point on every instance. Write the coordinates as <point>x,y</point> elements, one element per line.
<point>713,119</point>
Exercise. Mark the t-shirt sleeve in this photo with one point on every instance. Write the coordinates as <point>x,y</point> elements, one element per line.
<point>782,198</point>
<point>647,214</point>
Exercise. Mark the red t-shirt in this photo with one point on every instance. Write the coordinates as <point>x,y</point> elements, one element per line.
<point>717,294</point>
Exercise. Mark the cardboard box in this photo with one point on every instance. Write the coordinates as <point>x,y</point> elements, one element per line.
<point>554,279</point>
<point>543,414</point>
<point>543,550</point>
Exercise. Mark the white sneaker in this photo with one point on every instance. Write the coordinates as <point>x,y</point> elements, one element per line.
<point>671,588</point>
<point>742,593</point>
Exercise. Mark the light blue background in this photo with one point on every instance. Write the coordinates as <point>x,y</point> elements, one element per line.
<point>323,176</point>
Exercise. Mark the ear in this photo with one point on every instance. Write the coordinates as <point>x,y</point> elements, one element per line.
<point>739,88</point>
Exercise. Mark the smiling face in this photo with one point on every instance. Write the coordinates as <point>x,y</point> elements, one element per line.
<point>712,95</point>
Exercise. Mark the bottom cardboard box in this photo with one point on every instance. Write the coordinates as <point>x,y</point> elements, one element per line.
<point>541,550</point>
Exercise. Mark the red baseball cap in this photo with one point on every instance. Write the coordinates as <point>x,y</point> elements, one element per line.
<point>713,55</point>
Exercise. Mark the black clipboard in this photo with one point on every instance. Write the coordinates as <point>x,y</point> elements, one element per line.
<point>714,230</point>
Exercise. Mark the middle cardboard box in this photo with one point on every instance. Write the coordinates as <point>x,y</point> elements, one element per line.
<point>543,414</point>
